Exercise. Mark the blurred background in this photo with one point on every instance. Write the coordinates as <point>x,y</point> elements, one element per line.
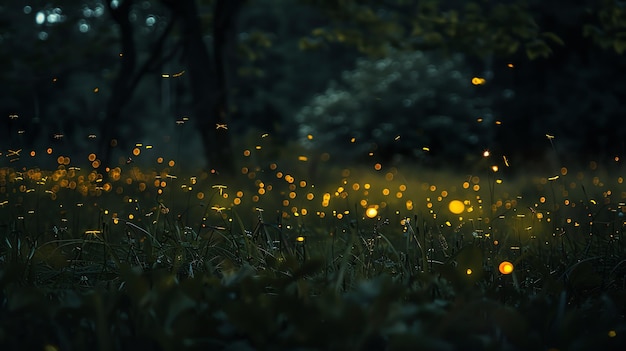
<point>429,83</point>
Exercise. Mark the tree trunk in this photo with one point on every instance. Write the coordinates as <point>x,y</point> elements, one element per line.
<point>121,90</point>
<point>208,78</point>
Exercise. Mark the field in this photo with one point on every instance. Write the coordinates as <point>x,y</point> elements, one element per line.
<point>297,252</point>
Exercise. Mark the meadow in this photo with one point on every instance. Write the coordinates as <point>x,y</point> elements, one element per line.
<point>298,251</point>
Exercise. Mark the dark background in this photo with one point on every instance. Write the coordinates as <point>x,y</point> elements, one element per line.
<point>91,76</point>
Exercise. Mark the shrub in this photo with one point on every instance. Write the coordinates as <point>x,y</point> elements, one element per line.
<point>407,104</point>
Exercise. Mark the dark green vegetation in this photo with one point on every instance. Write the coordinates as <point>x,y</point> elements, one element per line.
<point>312,174</point>
<point>366,259</point>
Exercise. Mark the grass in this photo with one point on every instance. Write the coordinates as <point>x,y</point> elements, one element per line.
<point>292,254</point>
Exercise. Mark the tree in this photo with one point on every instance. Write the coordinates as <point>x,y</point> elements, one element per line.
<point>207,71</point>
<point>409,106</point>
<point>57,66</point>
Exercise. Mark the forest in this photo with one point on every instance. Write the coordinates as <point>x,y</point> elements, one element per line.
<point>312,174</point>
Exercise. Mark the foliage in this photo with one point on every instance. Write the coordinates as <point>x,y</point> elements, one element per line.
<point>138,258</point>
<point>609,27</point>
<point>474,28</point>
<point>401,105</point>
<point>141,255</point>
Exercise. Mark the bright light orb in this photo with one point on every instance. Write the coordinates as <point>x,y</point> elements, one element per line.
<point>456,207</point>
<point>506,267</point>
<point>371,212</point>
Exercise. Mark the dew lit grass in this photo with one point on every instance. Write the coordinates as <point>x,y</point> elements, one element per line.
<point>565,215</point>
<point>512,236</point>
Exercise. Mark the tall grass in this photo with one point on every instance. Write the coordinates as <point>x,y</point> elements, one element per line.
<point>374,246</point>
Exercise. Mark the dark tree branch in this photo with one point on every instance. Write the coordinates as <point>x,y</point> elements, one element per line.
<point>153,61</point>
<point>129,76</point>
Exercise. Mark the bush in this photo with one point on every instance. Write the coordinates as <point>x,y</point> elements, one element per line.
<point>409,104</point>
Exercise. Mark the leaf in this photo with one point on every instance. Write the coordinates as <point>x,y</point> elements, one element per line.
<point>318,32</point>
<point>433,38</point>
<point>417,30</point>
<point>513,47</point>
<point>537,48</point>
<point>619,44</point>
<point>552,36</point>
<point>305,44</point>
<point>590,30</point>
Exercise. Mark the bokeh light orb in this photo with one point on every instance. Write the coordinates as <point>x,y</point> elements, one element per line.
<point>371,212</point>
<point>506,267</point>
<point>456,207</point>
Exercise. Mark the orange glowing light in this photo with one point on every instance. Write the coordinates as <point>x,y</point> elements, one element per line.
<point>478,81</point>
<point>506,267</point>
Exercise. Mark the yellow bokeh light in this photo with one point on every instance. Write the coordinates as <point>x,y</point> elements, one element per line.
<point>506,267</point>
<point>478,81</point>
<point>371,212</point>
<point>456,207</point>
<point>409,205</point>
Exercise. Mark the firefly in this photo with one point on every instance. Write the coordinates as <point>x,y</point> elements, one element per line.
<point>14,152</point>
